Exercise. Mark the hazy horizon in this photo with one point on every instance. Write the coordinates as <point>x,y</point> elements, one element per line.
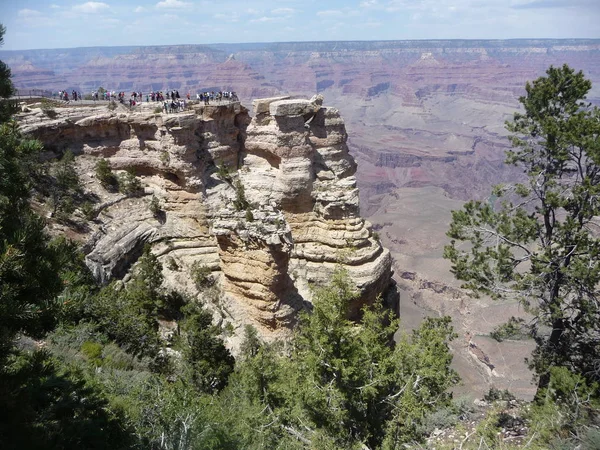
<point>215,45</point>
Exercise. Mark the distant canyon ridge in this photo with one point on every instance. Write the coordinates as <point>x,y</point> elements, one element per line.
<point>418,113</point>
<point>425,123</point>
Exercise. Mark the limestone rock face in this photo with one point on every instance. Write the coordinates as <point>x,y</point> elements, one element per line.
<point>269,205</point>
<point>301,164</point>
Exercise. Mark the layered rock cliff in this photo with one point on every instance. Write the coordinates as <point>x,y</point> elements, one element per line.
<point>268,204</point>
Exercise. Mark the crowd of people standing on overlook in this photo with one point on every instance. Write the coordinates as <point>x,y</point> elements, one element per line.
<point>64,95</point>
<point>171,99</point>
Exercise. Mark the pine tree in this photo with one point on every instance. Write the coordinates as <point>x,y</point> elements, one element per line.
<point>540,243</point>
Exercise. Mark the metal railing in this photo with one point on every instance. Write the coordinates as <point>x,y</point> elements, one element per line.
<point>28,93</point>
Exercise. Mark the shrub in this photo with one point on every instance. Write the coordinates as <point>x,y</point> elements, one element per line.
<point>112,105</point>
<point>172,264</point>
<point>513,329</point>
<point>114,357</point>
<point>223,172</point>
<point>208,360</point>
<point>65,187</point>
<point>249,215</point>
<point>129,184</point>
<point>440,419</point>
<point>50,112</point>
<point>202,276</point>
<point>93,352</point>
<point>154,206</point>
<point>240,203</point>
<point>47,108</point>
<point>165,158</point>
<point>158,110</point>
<point>88,211</point>
<point>495,394</point>
<point>107,178</point>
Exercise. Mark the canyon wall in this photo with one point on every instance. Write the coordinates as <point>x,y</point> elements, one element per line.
<point>419,113</point>
<point>269,205</point>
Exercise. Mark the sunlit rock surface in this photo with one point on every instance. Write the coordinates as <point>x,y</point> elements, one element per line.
<point>269,204</point>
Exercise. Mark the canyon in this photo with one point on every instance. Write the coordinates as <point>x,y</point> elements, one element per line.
<point>267,207</point>
<point>425,125</point>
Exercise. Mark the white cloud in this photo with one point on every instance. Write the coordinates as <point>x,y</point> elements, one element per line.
<point>252,11</point>
<point>283,11</point>
<point>91,7</point>
<point>139,9</point>
<point>267,19</point>
<point>29,13</point>
<point>330,13</point>
<point>172,4</point>
<point>229,17</point>
<point>35,19</point>
<point>53,6</point>
<point>368,3</point>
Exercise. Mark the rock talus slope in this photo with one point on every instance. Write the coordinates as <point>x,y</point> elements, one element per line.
<point>269,205</point>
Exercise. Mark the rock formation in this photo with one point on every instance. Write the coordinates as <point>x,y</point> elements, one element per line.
<point>269,205</point>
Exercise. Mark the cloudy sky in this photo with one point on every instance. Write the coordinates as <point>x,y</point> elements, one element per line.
<point>58,23</point>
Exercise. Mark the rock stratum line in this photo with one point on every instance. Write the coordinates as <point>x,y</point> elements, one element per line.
<point>269,204</point>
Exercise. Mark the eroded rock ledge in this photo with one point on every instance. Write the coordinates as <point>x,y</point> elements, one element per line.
<point>291,162</point>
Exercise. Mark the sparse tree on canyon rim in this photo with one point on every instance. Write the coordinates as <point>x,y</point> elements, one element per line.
<point>540,241</point>
<point>6,86</point>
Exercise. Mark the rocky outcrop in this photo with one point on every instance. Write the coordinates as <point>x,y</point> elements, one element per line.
<point>269,205</point>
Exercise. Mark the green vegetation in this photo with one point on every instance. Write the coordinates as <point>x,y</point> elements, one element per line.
<point>48,108</point>
<point>109,377</point>
<point>28,262</point>
<point>154,206</point>
<point>223,172</point>
<point>341,384</point>
<point>539,244</point>
<point>57,185</point>
<point>65,187</point>
<point>240,203</point>
<point>172,264</point>
<point>202,276</point>
<point>106,176</point>
<point>515,328</point>
<point>129,184</point>
<point>88,210</point>
<point>208,361</point>
<point>7,108</point>
<point>165,158</point>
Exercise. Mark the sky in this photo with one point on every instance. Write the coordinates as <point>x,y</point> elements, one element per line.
<point>36,24</point>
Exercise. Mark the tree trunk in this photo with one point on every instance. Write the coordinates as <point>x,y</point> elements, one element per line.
<point>558,328</point>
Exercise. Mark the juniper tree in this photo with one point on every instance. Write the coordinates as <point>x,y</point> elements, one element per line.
<point>65,186</point>
<point>540,242</point>
<point>341,384</point>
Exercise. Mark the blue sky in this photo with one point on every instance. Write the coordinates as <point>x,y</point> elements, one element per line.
<point>57,23</point>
